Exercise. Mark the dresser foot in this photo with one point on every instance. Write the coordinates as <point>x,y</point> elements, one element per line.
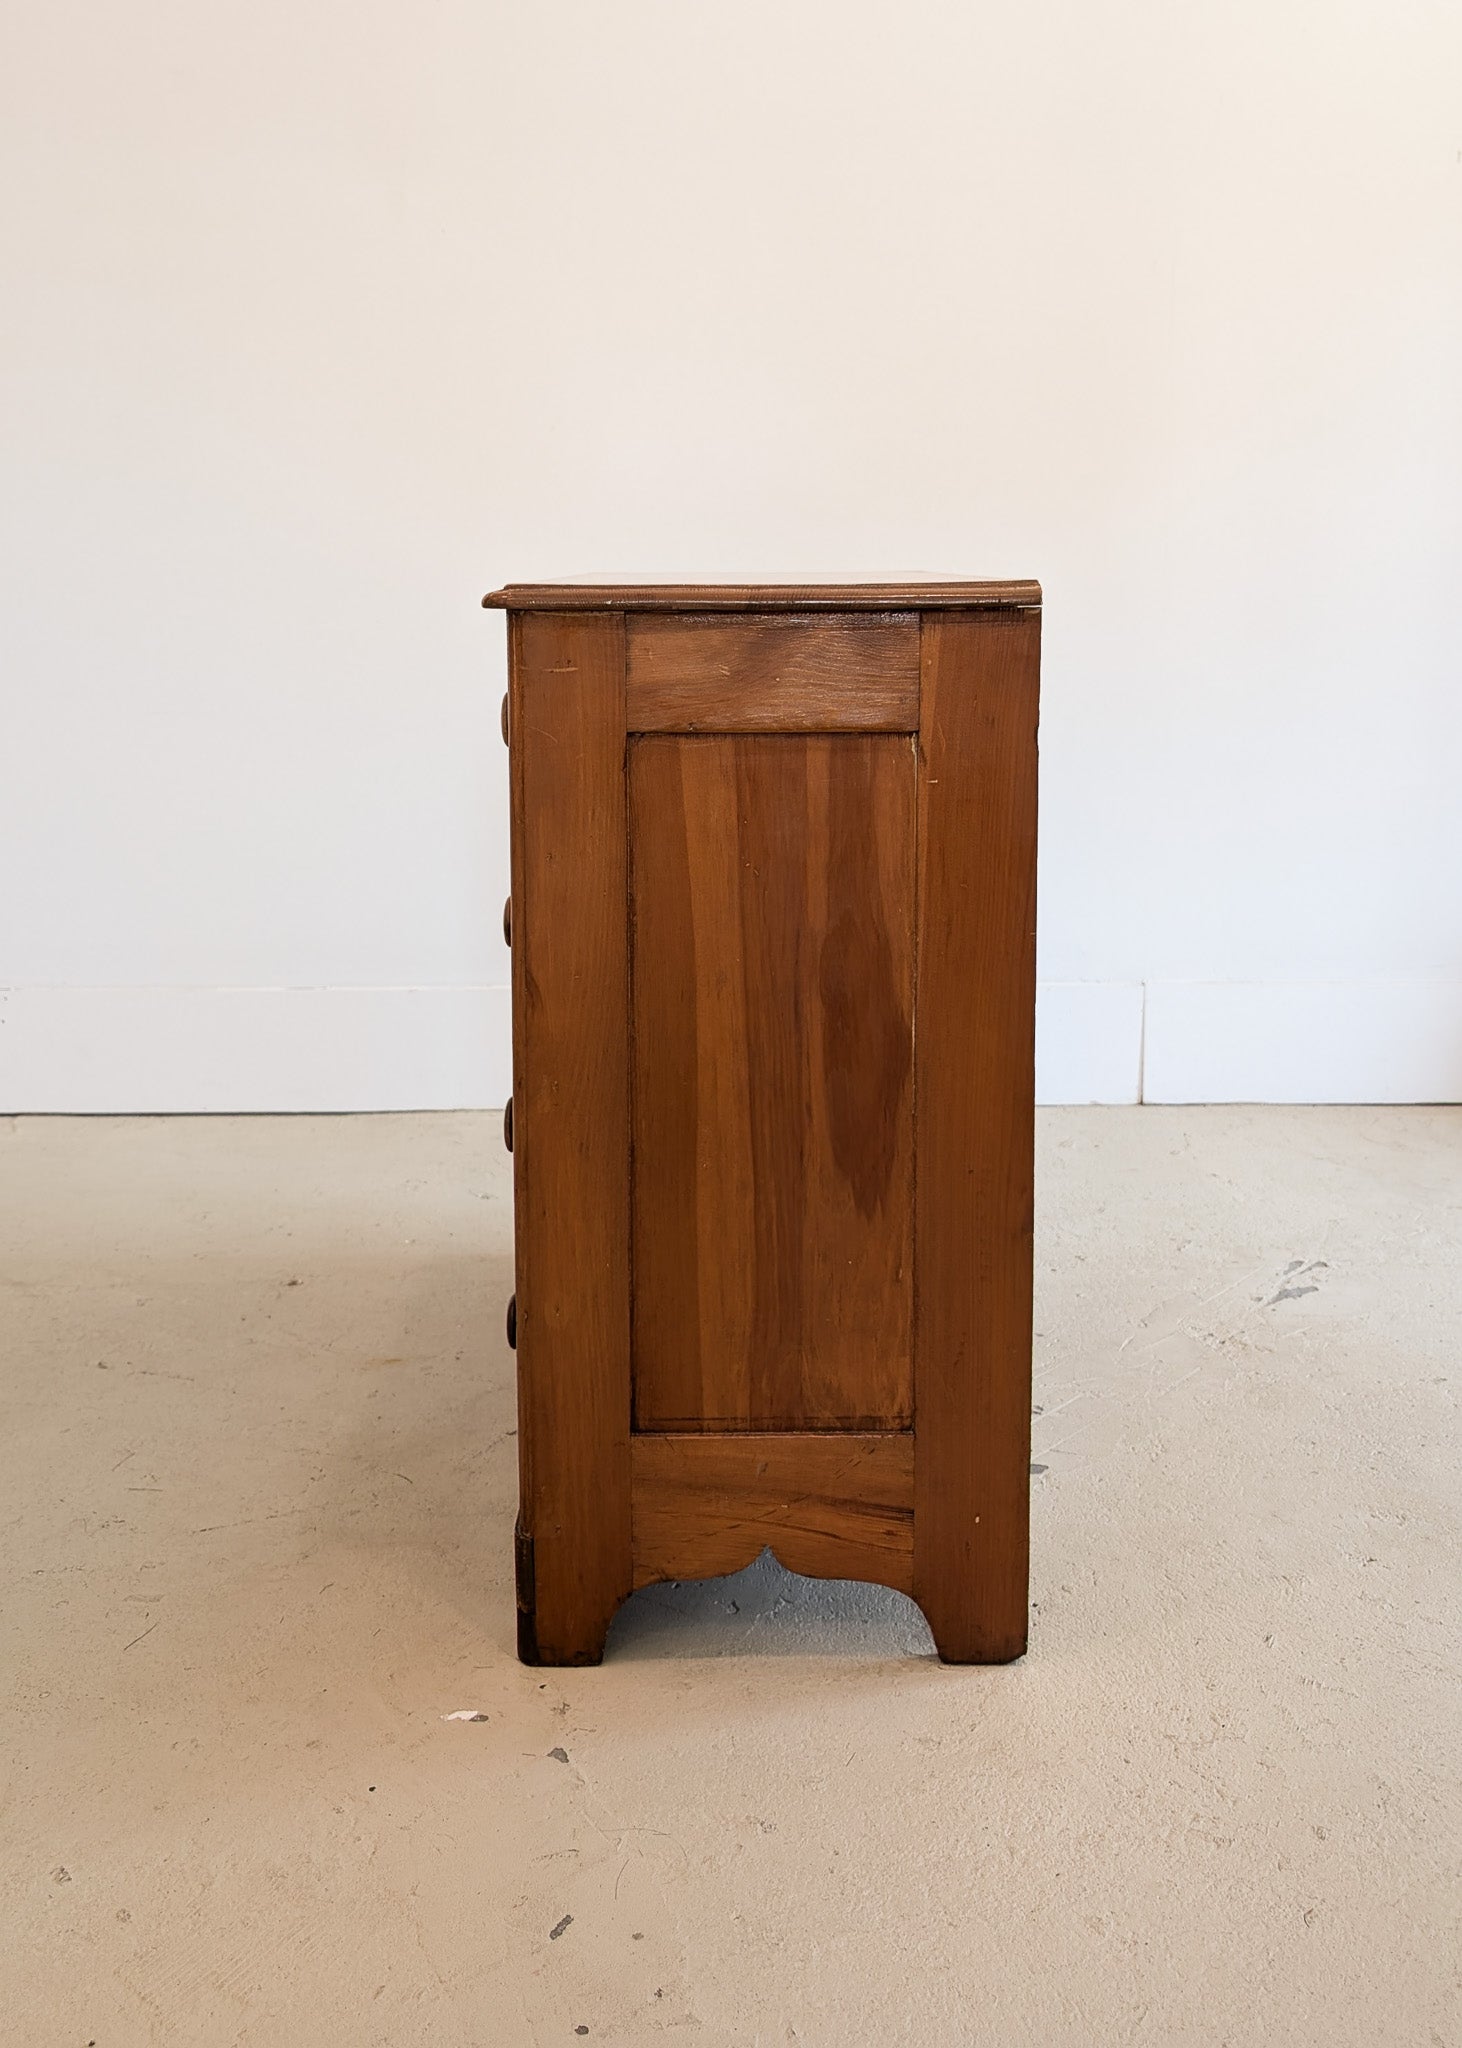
<point>545,1634</point>
<point>962,1637</point>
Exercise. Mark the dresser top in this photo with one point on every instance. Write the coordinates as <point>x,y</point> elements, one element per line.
<point>911,594</point>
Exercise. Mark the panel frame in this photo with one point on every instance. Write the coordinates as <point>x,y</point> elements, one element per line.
<point>974,1129</point>
<point>570,983</point>
<point>772,672</point>
<point>827,1504</point>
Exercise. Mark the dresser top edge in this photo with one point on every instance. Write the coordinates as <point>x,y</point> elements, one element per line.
<point>764,597</point>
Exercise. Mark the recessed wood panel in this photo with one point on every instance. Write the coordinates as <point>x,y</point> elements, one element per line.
<point>839,1505</point>
<point>770,672</point>
<point>772,980</point>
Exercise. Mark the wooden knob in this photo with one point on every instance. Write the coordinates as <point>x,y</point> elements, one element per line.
<point>507,920</point>
<point>505,719</point>
<point>513,1322</point>
<point>508,1123</point>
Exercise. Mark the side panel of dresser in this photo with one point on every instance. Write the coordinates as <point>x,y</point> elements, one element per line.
<point>966,1554</point>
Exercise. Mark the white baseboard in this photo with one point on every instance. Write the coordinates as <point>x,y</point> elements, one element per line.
<point>1398,1040</point>
<point>108,1051</point>
<point>193,1051</point>
<point>1089,1041</point>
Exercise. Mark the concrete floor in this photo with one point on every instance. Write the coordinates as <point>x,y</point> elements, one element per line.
<point>257,1486</point>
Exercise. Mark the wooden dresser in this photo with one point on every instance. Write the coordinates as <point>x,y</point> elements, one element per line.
<point>773,944</point>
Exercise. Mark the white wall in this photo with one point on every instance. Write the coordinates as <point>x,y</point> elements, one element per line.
<point>321,319</point>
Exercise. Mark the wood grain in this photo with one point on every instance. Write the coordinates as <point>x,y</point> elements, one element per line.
<point>571,1128</point>
<point>910,594</point>
<point>772,994</point>
<point>834,1507</point>
<point>974,1104</point>
<point>772,672</point>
